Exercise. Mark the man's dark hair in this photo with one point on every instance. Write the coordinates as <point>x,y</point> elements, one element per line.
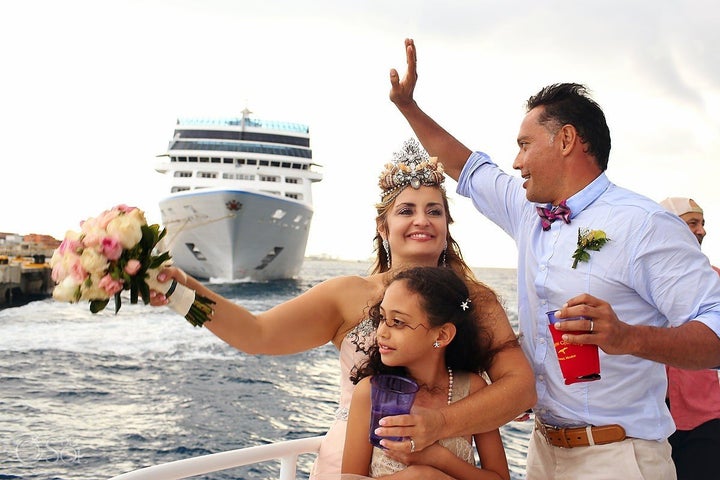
<point>570,104</point>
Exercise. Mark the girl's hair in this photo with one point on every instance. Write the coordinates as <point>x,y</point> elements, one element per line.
<point>443,295</point>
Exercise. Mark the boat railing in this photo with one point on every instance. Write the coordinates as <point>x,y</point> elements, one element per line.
<point>287,452</point>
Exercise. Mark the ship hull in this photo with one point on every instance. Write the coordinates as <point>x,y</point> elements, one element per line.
<point>226,235</point>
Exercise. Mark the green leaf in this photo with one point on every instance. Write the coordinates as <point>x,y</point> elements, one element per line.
<point>144,292</point>
<point>98,305</point>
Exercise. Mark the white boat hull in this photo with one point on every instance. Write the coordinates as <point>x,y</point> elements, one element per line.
<point>223,234</point>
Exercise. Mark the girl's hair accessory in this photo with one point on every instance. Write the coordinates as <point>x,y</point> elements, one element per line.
<point>410,166</point>
<point>466,304</point>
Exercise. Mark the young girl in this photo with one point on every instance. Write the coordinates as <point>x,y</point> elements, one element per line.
<point>425,331</point>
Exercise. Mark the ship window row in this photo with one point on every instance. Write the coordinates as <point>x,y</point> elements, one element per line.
<point>239,176</point>
<point>242,147</point>
<point>242,161</point>
<point>246,136</point>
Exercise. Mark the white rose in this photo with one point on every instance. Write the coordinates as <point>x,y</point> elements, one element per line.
<point>127,228</point>
<point>93,261</point>
<point>67,291</point>
<point>93,290</point>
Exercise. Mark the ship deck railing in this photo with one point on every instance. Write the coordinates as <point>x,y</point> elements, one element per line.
<point>287,452</point>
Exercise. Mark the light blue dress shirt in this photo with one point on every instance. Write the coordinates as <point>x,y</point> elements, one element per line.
<point>651,272</point>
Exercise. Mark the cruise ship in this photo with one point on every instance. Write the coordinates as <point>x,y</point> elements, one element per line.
<point>240,197</point>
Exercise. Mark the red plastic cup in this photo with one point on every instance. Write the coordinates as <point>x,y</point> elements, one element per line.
<point>578,363</point>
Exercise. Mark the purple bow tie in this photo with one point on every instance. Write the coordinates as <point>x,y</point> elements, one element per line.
<point>549,215</point>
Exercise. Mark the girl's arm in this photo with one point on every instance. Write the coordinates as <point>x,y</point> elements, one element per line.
<point>489,445</point>
<point>357,452</point>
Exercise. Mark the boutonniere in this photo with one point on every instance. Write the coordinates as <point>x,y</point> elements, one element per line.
<point>588,240</point>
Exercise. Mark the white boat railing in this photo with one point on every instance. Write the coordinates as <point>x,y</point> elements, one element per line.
<point>286,451</point>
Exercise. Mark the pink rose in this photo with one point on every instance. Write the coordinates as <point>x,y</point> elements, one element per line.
<point>106,217</point>
<point>132,267</point>
<point>124,208</point>
<point>110,285</point>
<point>111,248</point>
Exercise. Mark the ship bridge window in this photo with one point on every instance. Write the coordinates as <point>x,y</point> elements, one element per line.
<point>215,160</point>
<point>269,178</point>
<point>251,161</point>
<point>296,196</point>
<point>207,175</point>
<point>204,160</point>
<point>183,174</point>
<point>275,164</point>
<point>264,163</point>
<point>228,160</point>
<point>179,189</point>
<point>293,180</point>
<point>228,176</point>
<point>244,176</point>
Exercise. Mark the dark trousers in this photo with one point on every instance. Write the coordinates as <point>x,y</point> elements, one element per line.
<point>695,452</point>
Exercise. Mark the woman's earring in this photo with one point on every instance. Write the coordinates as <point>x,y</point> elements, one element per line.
<point>443,262</point>
<point>386,246</point>
<point>436,344</point>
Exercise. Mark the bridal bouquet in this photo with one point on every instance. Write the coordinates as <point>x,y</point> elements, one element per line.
<point>113,252</point>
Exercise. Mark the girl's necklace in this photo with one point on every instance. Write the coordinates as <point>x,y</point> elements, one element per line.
<point>450,385</point>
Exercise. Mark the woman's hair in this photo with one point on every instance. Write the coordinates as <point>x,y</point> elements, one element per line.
<point>444,297</point>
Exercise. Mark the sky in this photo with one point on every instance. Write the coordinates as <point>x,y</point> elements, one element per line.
<point>90,91</point>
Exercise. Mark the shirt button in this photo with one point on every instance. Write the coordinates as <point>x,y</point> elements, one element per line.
<point>542,268</point>
<point>541,340</point>
<point>541,378</point>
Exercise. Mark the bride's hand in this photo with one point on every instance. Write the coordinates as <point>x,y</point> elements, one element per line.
<point>160,281</point>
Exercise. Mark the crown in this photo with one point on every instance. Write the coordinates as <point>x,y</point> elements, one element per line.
<point>410,166</point>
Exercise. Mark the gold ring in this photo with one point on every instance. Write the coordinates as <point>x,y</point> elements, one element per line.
<point>412,445</point>
<point>592,325</point>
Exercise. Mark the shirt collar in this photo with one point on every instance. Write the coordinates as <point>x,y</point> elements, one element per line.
<point>582,199</point>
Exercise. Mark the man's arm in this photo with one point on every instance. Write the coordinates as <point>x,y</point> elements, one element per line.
<point>691,346</point>
<point>436,140</point>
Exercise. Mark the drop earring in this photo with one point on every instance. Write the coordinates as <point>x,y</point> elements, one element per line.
<point>386,246</point>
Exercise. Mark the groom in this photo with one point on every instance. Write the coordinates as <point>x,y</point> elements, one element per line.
<point>650,269</point>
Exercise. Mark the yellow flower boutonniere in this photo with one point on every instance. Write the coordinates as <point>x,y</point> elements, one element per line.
<point>588,240</point>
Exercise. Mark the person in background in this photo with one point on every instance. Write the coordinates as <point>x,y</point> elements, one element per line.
<point>693,395</point>
<point>584,242</point>
<point>426,332</point>
<point>412,229</point>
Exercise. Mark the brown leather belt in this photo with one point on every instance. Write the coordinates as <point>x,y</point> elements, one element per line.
<point>580,436</point>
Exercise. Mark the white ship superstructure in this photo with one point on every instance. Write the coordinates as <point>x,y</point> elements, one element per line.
<point>240,203</point>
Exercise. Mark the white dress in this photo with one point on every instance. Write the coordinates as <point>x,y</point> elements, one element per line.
<point>352,352</point>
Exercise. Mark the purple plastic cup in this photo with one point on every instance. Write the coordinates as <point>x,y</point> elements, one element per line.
<point>391,395</point>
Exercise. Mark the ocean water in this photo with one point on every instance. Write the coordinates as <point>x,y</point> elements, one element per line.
<point>87,396</point>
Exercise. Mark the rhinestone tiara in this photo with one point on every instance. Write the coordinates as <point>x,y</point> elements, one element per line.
<point>410,166</point>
